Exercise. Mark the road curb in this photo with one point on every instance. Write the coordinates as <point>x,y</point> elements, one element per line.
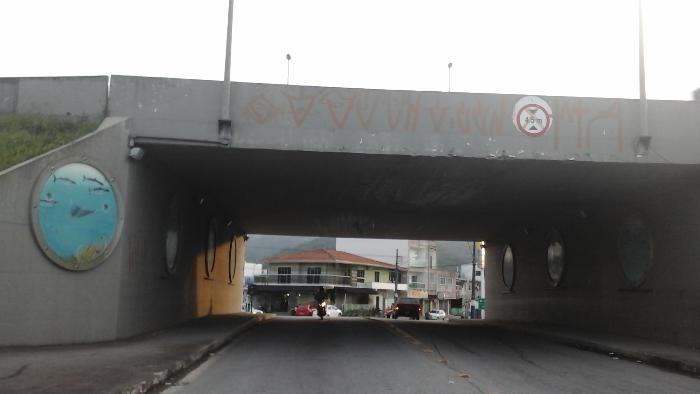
<point>637,356</point>
<point>613,351</point>
<point>200,354</point>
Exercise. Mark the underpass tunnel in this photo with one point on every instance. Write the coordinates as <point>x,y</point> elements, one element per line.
<point>584,234</point>
<point>199,248</point>
<point>600,246</point>
<point>627,234</point>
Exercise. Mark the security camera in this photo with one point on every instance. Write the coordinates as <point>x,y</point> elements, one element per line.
<point>136,153</point>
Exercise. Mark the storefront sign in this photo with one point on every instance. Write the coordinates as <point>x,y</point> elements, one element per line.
<point>417,293</point>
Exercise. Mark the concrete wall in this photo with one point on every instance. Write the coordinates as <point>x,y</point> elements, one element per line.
<point>72,96</point>
<point>594,293</point>
<point>131,292</point>
<point>168,108</point>
<point>42,303</point>
<point>454,124</point>
<point>309,118</point>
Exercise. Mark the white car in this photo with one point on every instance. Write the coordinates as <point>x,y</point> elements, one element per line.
<point>437,314</point>
<point>331,311</point>
<point>255,311</point>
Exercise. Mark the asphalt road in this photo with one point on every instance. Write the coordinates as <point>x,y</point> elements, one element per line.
<point>353,355</point>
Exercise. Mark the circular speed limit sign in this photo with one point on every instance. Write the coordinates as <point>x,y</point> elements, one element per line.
<point>532,116</point>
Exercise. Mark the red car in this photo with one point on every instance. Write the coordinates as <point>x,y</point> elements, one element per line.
<point>304,309</point>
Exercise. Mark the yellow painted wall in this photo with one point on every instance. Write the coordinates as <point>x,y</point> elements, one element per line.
<point>215,295</point>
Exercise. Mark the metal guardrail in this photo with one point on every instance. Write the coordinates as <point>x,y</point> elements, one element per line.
<point>416,285</point>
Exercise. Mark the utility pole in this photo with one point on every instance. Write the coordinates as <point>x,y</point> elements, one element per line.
<point>430,267</point>
<point>427,281</point>
<point>473,270</point>
<point>396,277</point>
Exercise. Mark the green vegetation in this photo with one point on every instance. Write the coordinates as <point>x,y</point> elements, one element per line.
<point>353,310</point>
<point>25,136</point>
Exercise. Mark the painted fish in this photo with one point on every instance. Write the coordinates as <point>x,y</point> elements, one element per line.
<point>78,212</point>
<point>98,189</point>
<point>64,179</point>
<point>95,180</point>
<point>52,202</point>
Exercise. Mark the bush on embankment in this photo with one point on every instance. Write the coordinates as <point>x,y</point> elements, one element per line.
<point>25,136</point>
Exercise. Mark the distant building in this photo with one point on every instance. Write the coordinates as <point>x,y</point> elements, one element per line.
<point>438,272</point>
<point>352,281</point>
<point>249,272</point>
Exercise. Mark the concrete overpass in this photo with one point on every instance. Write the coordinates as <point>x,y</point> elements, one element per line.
<point>362,163</point>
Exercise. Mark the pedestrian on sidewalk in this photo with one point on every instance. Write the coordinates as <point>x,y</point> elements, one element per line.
<point>472,308</point>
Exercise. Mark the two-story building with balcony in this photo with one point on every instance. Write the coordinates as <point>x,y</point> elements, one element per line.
<point>351,281</point>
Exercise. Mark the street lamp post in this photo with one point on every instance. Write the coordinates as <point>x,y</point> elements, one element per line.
<point>642,74</point>
<point>643,142</point>
<point>225,119</point>
<point>289,58</point>
<point>449,76</point>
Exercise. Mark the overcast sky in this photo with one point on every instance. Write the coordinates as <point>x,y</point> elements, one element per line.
<point>546,47</point>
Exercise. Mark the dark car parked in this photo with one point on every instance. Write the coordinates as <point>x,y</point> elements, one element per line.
<point>405,306</point>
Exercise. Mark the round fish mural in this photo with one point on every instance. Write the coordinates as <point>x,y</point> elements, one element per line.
<point>77,216</point>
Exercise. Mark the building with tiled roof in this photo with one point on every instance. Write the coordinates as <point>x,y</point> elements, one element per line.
<point>329,256</point>
<point>352,281</point>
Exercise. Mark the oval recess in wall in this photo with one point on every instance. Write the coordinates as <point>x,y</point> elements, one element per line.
<point>636,249</point>
<point>172,235</point>
<point>555,258</point>
<point>508,267</point>
<point>232,259</point>
<point>210,253</point>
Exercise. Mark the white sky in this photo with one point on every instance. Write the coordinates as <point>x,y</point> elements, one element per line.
<point>548,47</point>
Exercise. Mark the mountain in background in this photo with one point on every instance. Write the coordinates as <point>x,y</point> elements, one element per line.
<point>452,254</point>
<point>260,247</point>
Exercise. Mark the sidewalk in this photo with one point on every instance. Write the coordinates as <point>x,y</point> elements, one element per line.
<point>133,365</point>
<point>659,354</point>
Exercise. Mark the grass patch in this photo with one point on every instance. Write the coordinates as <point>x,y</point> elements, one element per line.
<point>25,136</point>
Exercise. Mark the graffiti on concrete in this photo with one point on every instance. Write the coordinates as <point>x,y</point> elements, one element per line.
<point>578,119</point>
<point>77,216</point>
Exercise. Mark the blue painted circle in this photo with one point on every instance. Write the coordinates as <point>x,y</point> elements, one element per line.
<point>77,216</point>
